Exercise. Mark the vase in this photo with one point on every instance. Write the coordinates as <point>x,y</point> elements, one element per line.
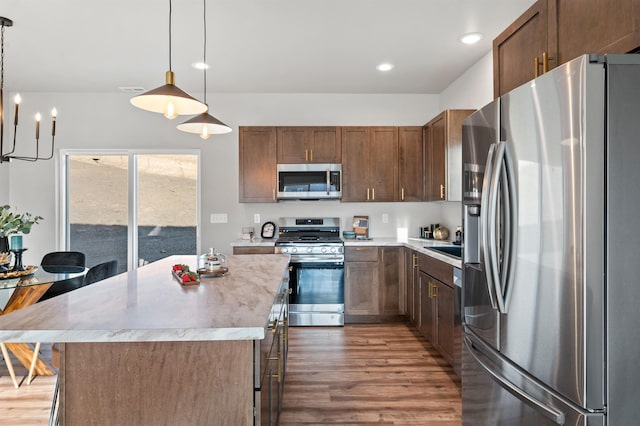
<point>4,244</point>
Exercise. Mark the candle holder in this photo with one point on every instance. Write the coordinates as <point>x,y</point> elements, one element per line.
<point>17,266</point>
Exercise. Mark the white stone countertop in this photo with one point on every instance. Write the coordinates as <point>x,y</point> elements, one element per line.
<point>256,242</point>
<point>417,244</point>
<point>148,304</point>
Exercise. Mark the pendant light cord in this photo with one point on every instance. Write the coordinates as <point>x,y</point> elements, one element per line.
<point>2,59</point>
<point>204,53</point>
<point>170,36</point>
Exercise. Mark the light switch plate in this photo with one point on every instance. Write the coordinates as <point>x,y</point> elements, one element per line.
<point>218,218</point>
<point>385,218</point>
<point>256,218</point>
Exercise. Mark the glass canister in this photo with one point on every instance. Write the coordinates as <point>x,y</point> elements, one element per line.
<point>215,261</point>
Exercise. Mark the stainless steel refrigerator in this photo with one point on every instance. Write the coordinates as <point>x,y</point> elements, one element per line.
<point>551,277</point>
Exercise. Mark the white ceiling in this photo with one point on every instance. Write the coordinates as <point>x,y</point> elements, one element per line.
<point>259,46</point>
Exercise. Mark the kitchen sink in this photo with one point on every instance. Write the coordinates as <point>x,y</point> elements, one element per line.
<point>454,251</point>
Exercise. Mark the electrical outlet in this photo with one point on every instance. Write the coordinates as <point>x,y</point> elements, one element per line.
<point>385,218</point>
<point>256,218</point>
<point>218,218</point>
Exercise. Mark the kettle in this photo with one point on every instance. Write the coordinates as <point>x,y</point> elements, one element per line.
<point>441,233</point>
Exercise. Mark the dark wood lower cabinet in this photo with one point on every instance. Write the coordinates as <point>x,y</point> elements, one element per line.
<point>437,305</point>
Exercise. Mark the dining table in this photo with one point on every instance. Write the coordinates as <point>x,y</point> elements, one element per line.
<point>27,287</point>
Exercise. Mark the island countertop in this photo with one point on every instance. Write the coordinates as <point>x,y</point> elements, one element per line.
<point>148,304</point>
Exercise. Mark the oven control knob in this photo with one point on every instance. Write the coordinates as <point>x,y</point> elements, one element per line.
<point>323,249</point>
<point>283,250</point>
<point>309,249</point>
<point>334,249</point>
<point>294,250</point>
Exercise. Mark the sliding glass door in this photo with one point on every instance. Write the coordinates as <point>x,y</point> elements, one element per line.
<point>134,207</point>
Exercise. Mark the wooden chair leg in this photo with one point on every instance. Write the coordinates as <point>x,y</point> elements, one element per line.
<point>5,354</point>
<point>36,351</point>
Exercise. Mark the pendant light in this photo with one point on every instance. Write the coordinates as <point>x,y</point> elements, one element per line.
<point>169,99</point>
<point>204,124</point>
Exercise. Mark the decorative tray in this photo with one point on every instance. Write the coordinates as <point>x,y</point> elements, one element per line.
<point>184,276</point>
<point>206,273</point>
<point>28,270</point>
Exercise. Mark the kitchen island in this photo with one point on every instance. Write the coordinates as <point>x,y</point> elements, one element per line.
<point>139,348</point>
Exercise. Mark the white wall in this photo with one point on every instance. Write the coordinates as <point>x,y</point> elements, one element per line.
<point>472,90</point>
<point>108,121</point>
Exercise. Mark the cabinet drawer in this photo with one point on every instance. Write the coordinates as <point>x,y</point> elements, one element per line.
<point>361,254</point>
<point>436,268</point>
<point>254,250</point>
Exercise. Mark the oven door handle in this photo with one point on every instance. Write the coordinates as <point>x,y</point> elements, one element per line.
<point>304,259</point>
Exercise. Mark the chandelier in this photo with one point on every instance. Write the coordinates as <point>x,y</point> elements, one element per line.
<point>7,156</point>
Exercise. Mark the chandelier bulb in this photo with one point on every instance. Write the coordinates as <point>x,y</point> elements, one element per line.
<point>17,99</point>
<point>54,113</point>
<point>204,133</point>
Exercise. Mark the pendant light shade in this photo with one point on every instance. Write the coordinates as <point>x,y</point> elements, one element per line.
<point>169,100</point>
<point>205,125</point>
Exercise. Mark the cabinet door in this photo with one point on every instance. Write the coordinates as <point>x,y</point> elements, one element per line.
<point>410,163</point>
<point>384,164</point>
<point>257,149</point>
<point>390,280</point>
<point>410,260</point>
<point>438,158</point>
<point>454,118</point>
<point>444,297</point>
<point>602,26</point>
<point>515,50</point>
<point>326,145</point>
<point>361,288</point>
<point>355,163</point>
<point>293,145</point>
<point>427,308</point>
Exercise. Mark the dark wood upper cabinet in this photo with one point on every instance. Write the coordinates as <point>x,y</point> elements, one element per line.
<point>443,155</point>
<point>553,32</point>
<point>297,145</point>
<point>257,149</point>
<point>595,26</point>
<point>411,163</point>
<point>369,163</point>
<point>519,52</point>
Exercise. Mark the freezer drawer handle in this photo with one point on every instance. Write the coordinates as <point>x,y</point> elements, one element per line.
<point>545,410</point>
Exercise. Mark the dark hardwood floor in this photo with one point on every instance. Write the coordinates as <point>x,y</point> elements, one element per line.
<point>366,374</point>
<point>352,375</point>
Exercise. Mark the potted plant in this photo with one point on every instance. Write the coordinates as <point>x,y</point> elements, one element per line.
<point>12,223</point>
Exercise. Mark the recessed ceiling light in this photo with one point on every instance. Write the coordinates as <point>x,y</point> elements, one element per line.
<point>471,38</point>
<point>384,67</point>
<point>200,65</point>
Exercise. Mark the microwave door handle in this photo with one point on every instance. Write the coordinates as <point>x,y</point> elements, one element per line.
<point>549,412</point>
<point>328,180</point>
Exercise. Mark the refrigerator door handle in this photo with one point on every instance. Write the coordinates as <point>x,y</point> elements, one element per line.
<point>503,177</point>
<point>511,231</point>
<point>484,224</point>
<point>551,413</point>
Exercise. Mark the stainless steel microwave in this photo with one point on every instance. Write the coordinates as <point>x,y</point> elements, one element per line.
<point>309,181</point>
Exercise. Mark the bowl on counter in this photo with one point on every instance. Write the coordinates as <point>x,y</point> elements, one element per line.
<point>349,235</point>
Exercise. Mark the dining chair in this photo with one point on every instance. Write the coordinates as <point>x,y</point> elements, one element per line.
<point>100,272</point>
<point>61,259</point>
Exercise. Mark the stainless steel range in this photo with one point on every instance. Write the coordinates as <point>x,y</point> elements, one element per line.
<point>316,277</point>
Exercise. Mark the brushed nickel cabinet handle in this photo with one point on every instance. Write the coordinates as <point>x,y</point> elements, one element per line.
<point>367,194</point>
<point>373,194</point>
<point>402,194</point>
<point>415,260</point>
<point>442,192</point>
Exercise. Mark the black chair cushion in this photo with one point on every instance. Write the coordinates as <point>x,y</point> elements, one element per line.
<point>71,258</point>
<point>101,271</point>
